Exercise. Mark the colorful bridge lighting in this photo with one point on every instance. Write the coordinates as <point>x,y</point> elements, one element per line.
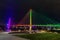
<point>30,20</point>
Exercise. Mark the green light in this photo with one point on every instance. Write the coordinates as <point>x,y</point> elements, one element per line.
<point>51,25</point>
<point>30,29</point>
<point>30,17</point>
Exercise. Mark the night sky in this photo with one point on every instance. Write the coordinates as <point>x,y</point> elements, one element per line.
<point>16,9</point>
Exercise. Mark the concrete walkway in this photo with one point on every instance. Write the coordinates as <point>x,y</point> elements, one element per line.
<point>6,36</point>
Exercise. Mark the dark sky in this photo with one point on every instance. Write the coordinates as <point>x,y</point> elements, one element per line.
<point>16,9</point>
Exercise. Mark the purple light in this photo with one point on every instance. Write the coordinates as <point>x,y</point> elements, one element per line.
<point>8,25</point>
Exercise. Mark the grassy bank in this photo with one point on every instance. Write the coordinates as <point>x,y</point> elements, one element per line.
<point>41,36</point>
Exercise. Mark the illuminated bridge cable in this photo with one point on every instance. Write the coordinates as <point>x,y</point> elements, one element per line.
<point>39,18</point>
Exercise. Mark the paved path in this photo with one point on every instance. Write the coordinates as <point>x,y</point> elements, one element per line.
<point>6,36</point>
